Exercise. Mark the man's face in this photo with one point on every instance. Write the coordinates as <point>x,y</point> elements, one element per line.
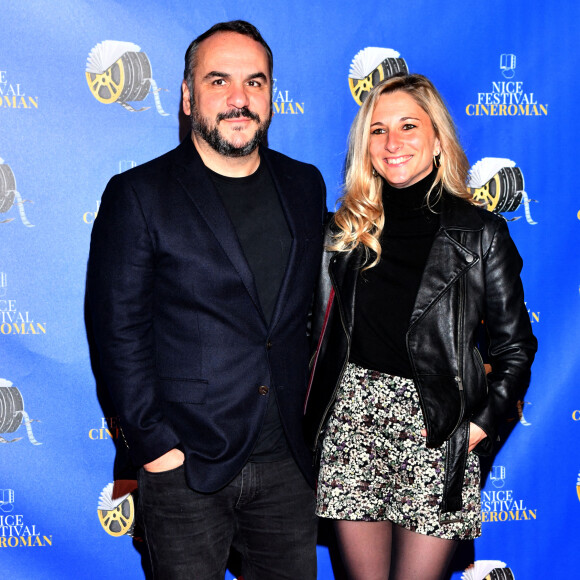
<point>231,105</point>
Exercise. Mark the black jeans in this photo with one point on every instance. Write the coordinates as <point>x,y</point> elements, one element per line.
<point>266,513</point>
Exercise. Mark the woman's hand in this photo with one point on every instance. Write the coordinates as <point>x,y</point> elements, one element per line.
<point>476,434</point>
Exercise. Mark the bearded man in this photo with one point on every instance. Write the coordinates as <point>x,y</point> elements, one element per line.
<point>200,277</point>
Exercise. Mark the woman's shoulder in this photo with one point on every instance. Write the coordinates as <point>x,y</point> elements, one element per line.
<point>479,213</point>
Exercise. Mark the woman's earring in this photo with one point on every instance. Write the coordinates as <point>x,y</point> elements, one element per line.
<point>437,160</point>
<point>374,172</point>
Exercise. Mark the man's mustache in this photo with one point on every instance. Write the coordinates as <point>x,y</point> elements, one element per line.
<point>237,113</point>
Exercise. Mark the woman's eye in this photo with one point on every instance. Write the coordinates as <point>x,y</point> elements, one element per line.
<point>408,126</point>
<point>377,131</point>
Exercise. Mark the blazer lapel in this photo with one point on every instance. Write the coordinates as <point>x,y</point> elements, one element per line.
<point>448,251</point>
<point>193,177</point>
<point>283,181</point>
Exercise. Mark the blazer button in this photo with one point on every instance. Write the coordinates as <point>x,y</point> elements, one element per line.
<point>263,390</point>
<point>268,345</point>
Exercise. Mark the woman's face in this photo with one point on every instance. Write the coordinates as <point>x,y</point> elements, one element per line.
<point>402,140</point>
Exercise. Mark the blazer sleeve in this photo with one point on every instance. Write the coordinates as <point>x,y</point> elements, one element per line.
<point>512,346</point>
<point>120,298</point>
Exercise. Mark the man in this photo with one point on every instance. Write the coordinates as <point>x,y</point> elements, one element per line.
<point>200,277</point>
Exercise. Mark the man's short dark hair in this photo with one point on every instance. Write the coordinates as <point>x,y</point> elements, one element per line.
<point>238,26</point>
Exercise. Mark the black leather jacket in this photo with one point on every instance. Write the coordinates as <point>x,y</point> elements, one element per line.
<point>472,274</point>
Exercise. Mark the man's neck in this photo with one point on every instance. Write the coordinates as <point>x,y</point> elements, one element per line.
<point>228,166</point>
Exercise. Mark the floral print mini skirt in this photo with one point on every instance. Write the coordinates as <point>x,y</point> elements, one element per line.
<point>375,465</point>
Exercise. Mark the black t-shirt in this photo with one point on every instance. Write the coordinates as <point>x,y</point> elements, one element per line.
<point>254,207</point>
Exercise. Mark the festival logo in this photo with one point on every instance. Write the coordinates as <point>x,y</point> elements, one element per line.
<point>6,500</point>
<point>369,67</point>
<point>12,414</point>
<point>12,320</point>
<point>126,164</point>
<point>487,570</point>
<point>15,532</point>
<point>507,98</point>
<point>499,185</point>
<point>578,487</point>
<point>116,507</point>
<point>534,316</point>
<point>118,72</point>
<point>12,95</point>
<point>507,65</point>
<point>283,103</point>
<point>109,429</point>
<point>90,216</point>
<point>9,195</point>
<point>497,476</point>
<point>500,504</point>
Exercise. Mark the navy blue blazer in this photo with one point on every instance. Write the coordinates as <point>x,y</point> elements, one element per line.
<point>184,347</point>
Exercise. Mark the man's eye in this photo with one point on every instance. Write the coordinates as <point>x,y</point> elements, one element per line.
<point>255,83</point>
<point>219,82</point>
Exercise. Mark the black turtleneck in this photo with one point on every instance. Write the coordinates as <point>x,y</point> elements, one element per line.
<point>386,293</point>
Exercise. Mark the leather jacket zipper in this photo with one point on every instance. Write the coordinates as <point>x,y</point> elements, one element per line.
<point>460,353</point>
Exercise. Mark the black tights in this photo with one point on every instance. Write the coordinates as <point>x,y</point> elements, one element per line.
<point>386,551</point>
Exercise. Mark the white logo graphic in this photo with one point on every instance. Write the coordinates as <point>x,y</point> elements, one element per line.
<point>6,500</point>
<point>507,64</point>
<point>482,569</point>
<point>118,72</point>
<point>497,476</point>
<point>9,195</point>
<point>12,413</point>
<point>126,164</point>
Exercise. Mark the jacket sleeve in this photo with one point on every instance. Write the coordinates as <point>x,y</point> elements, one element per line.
<point>120,299</point>
<point>512,345</point>
<point>322,290</point>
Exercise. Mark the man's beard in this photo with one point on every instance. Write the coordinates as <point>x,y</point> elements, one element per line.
<point>214,139</point>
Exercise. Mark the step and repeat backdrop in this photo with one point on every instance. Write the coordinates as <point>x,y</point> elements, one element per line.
<point>89,89</point>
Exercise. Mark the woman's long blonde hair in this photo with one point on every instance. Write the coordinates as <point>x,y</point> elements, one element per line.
<point>360,217</point>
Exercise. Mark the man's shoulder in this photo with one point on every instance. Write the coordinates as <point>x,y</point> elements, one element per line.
<point>156,166</point>
<point>280,161</point>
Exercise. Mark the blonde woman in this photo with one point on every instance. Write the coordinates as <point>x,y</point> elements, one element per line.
<point>399,406</point>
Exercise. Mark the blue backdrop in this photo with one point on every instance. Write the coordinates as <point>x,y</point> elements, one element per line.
<point>508,73</point>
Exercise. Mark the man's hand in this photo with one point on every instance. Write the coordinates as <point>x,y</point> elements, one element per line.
<point>170,460</point>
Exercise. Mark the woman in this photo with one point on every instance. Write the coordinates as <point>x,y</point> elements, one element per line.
<point>399,405</point>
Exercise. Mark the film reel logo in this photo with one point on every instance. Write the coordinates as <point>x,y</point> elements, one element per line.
<point>499,185</point>
<point>488,570</point>
<point>9,195</point>
<point>369,67</point>
<point>118,72</point>
<point>116,507</point>
<point>12,413</point>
